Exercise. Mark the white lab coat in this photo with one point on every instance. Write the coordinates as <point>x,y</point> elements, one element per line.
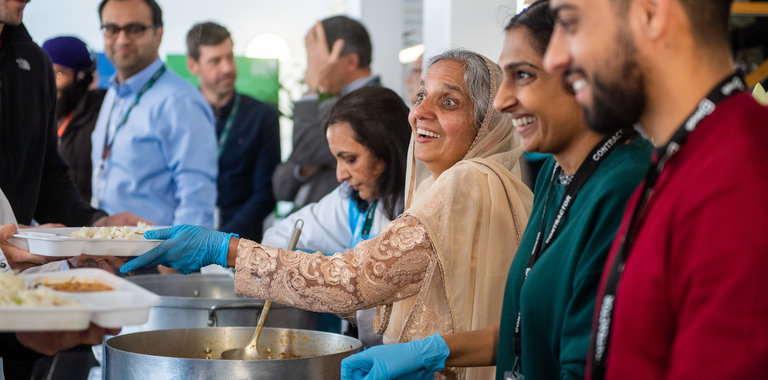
<point>326,225</point>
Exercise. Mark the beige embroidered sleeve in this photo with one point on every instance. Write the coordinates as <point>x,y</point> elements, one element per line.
<point>382,270</point>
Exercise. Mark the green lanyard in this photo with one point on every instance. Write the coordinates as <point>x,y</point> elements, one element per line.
<point>228,125</point>
<point>366,230</point>
<point>107,148</point>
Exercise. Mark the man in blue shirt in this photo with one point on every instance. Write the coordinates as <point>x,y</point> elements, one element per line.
<point>154,149</point>
<point>248,134</point>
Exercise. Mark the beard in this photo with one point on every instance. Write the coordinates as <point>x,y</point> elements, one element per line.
<point>226,77</point>
<point>70,97</point>
<point>619,100</point>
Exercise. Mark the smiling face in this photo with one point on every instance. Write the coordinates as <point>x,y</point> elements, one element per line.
<point>593,46</point>
<point>442,117</point>
<point>355,164</point>
<point>130,53</point>
<point>544,114</point>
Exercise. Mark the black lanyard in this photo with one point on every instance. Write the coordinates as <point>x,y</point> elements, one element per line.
<point>586,170</point>
<point>601,335</point>
<point>228,125</point>
<point>107,147</point>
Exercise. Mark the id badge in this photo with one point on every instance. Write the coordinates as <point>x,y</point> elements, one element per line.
<point>516,373</point>
<point>98,185</point>
<point>216,218</point>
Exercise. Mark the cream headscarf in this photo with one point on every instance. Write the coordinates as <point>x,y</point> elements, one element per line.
<point>474,213</point>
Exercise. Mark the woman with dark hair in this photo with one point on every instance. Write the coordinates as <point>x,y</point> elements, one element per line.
<point>552,283</point>
<point>368,133</point>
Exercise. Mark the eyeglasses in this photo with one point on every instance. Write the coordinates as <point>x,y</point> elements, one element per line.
<point>132,30</point>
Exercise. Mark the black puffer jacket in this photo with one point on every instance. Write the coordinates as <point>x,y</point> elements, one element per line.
<point>75,143</point>
<point>33,175</point>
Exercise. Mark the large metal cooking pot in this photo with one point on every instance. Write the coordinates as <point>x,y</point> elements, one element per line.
<point>182,353</point>
<point>198,300</point>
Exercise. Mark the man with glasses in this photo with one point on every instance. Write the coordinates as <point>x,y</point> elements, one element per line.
<point>154,145</point>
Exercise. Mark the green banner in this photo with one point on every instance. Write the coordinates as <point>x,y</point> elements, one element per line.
<point>255,77</point>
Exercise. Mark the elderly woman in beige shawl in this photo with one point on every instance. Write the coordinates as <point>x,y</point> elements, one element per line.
<point>438,267</point>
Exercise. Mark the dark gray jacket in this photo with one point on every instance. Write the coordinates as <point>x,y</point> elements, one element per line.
<point>310,148</point>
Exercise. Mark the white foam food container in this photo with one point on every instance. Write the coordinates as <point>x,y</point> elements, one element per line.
<point>126,304</point>
<point>59,242</point>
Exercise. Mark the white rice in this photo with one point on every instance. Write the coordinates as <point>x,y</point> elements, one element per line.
<point>113,233</point>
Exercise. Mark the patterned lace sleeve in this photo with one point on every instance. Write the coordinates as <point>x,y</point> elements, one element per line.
<point>382,270</point>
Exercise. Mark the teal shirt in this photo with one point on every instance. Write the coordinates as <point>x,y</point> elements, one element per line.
<point>559,295</point>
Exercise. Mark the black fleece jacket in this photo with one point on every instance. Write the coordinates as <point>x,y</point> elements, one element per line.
<point>33,176</point>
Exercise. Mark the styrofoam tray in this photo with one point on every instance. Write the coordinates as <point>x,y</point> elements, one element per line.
<point>126,304</point>
<point>58,242</point>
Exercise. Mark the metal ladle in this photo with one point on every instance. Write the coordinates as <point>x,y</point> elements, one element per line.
<point>250,351</point>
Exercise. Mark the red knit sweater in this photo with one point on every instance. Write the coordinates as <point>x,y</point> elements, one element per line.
<point>693,299</point>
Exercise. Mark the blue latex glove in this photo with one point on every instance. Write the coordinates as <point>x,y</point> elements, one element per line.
<point>392,361</point>
<point>186,248</point>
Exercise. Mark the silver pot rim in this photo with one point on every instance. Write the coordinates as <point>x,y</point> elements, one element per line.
<point>109,344</point>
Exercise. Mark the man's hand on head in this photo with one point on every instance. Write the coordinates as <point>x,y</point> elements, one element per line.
<point>321,61</point>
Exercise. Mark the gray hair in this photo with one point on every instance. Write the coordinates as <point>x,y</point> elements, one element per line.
<point>477,78</point>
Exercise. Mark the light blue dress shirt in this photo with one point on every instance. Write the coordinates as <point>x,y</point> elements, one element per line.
<point>162,165</point>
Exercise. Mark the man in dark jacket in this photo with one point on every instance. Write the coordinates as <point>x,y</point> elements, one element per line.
<point>248,133</point>
<point>338,62</point>
<point>77,107</point>
<point>32,174</point>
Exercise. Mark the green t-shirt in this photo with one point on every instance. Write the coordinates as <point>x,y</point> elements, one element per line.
<point>559,295</point>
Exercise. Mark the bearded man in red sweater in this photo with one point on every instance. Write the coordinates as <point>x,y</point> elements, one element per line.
<point>683,294</point>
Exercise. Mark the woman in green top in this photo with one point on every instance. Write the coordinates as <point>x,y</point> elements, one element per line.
<point>579,198</point>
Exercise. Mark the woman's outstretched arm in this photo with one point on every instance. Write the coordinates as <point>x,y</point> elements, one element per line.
<point>382,270</point>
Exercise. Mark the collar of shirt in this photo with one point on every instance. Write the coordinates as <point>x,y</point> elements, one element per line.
<point>132,85</point>
<point>357,84</point>
<point>12,34</point>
